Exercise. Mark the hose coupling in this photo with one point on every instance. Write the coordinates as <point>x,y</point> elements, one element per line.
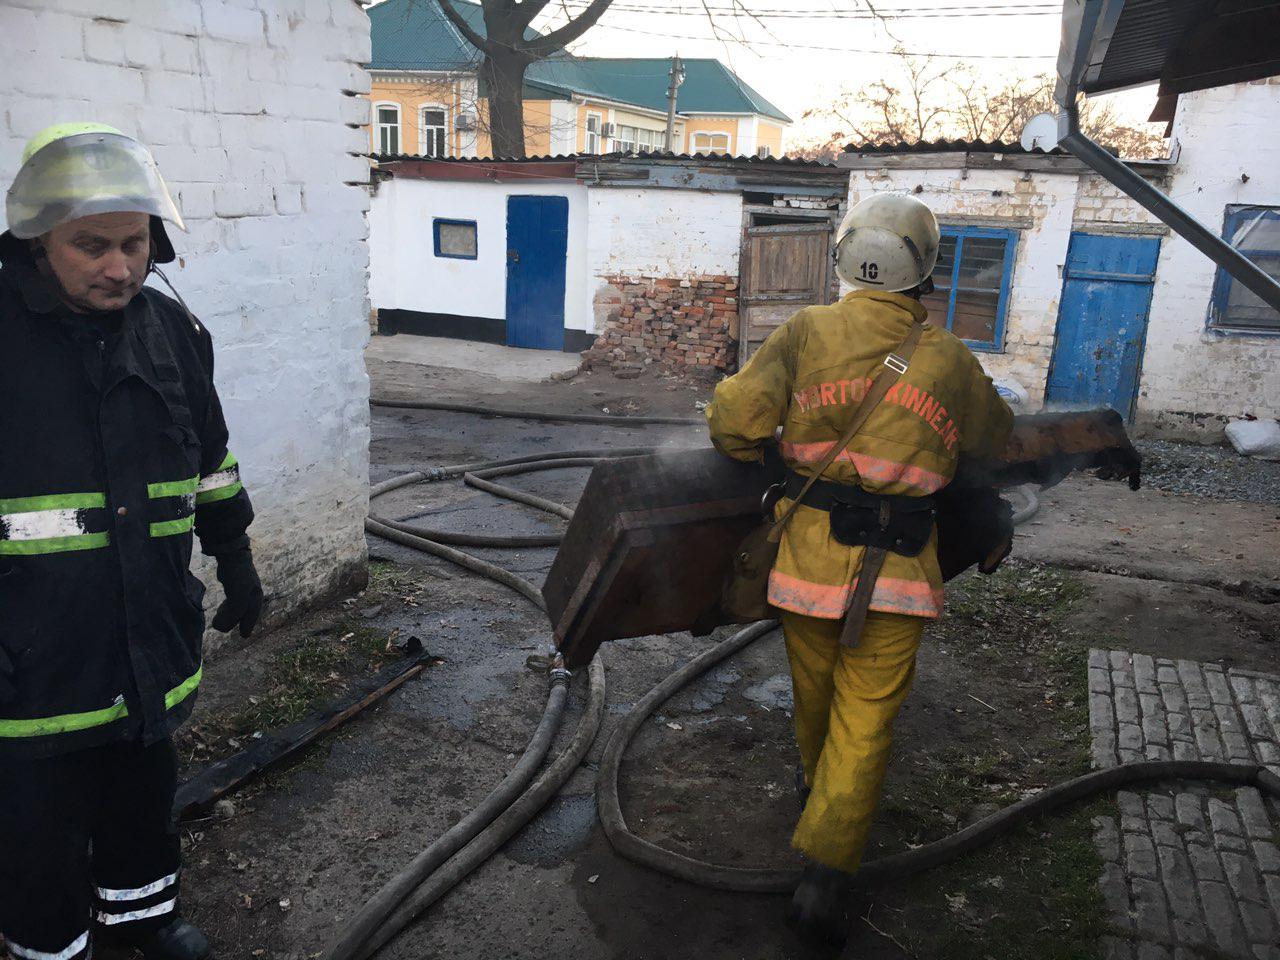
<point>559,672</point>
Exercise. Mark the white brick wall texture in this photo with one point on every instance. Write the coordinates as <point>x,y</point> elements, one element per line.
<point>1193,378</point>
<point>248,108</point>
<point>648,232</point>
<point>1004,198</point>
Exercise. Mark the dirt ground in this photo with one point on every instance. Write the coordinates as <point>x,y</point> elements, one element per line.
<point>999,709</point>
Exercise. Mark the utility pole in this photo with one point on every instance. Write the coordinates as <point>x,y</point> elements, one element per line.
<point>677,77</point>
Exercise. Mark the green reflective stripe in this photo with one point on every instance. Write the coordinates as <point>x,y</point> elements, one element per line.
<point>169,528</point>
<point>56,501</point>
<point>228,461</point>
<point>28,548</point>
<point>173,488</point>
<point>219,493</point>
<point>183,690</point>
<point>67,723</point>
<point>71,722</point>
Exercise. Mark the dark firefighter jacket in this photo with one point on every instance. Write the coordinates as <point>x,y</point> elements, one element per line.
<point>113,449</point>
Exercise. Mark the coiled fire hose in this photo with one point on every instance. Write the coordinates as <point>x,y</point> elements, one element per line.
<point>514,802</point>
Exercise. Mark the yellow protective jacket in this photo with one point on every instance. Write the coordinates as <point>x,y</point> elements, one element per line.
<point>808,377</point>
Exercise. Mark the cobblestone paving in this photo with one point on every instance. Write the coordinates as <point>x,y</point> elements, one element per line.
<point>1190,870</point>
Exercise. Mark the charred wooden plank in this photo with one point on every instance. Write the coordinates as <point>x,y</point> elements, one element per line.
<point>213,782</point>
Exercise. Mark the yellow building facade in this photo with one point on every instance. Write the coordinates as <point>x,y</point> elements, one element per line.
<point>442,115</point>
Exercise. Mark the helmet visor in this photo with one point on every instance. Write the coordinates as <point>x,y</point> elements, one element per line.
<point>83,175</point>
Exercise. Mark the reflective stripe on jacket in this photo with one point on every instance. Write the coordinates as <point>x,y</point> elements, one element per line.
<point>808,378</point>
<point>114,454</point>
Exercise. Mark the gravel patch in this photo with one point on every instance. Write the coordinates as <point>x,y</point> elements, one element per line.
<point>1216,472</point>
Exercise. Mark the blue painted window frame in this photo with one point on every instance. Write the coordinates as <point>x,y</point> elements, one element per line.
<point>1233,218</point>
<point>1006,279</point>
<point>438,222</point>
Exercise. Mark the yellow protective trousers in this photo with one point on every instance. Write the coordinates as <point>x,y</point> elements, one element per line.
<point>846,699</point>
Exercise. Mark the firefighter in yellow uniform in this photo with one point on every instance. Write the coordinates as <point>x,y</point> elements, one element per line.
<point>808,378</point>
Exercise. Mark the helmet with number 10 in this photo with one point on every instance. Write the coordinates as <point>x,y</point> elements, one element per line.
<point>889,241</point>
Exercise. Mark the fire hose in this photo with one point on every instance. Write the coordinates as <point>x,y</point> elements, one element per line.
<point>516,801</point>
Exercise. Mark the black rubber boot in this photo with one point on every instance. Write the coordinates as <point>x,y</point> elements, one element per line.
<point>820,907</point>
<point>177,941</point>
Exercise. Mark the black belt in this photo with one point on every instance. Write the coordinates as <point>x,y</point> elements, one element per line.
<point>902,525</point>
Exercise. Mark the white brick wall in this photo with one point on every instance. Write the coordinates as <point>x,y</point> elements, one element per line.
<point>646,231</point>
<point>1188,371</point>
<point>248,108</point>
<point>1191,379</point>
<point>1040,208</point>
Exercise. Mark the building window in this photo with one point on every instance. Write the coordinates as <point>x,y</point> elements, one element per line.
<point>710,143</point>
<point>388,125</point>
<point>592,142</point>
<point>1255,232</point>
<point>433,132</point>
<point>765,151</point>
<point>455,239</point>
<point>971,284</point>
<point>626,139</point>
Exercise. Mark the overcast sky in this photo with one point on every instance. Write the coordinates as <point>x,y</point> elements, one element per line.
<point>802,53</point>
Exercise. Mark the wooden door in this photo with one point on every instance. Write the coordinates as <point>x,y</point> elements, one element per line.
<point>537,241</point>
<point>1102,322</point>
<point>784,268</point>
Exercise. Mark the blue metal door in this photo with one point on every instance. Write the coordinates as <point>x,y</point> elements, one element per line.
<point>537,239</point>
<point>1102,322</point>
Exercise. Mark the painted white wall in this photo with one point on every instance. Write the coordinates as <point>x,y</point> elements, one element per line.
<point>405,274</point>
<point>1225,134</point>
<point>647,232</point>
<point>748,136</point>
<point>1047,202</point>
<point>254,113</point>
<point>564,128</point>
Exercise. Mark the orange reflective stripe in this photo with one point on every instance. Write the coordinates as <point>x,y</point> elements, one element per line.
<point>824,600</point>
<point>868,467</point>
<point>914,598</point>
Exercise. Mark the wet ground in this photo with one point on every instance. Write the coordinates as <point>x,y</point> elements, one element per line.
<point>998,709</point>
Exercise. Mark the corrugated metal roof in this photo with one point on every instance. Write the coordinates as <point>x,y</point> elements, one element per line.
<point>1184,44</point>
<point>1144,35</point>
<point>946,146</point>
<point>699,159</point>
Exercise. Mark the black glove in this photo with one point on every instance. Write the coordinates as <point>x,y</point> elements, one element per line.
<point>7,690</point>
<point>244,593</point>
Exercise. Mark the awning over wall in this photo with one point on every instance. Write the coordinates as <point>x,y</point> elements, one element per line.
<point>1184,45</point>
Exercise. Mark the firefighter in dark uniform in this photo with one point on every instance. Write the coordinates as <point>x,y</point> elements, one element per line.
<point>113,452</point>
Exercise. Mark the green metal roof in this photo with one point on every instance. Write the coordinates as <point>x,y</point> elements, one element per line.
<point>709,86</point>
<point>414,35</point>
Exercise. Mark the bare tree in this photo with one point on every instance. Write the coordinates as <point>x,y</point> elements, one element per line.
<point>933,103</point>
<point>884,112</point>
<point>508,48</point>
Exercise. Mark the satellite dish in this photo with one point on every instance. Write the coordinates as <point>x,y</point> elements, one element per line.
<point>1040,133</point>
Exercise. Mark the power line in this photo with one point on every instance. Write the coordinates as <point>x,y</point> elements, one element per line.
<point>869,53</point>
<point>741,10</point>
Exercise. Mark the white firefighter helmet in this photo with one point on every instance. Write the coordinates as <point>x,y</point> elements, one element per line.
<point>74,170</point>
<point>889,241</point>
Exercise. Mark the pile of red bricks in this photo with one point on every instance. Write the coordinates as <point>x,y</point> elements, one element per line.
<point>686,324</point>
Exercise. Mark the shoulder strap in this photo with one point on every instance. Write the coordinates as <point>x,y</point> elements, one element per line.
<point>895,366</point>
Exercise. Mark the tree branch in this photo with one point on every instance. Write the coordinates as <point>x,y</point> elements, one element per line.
<point>549,43</point>
<point>464,28</point>
<point>526,10</point>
